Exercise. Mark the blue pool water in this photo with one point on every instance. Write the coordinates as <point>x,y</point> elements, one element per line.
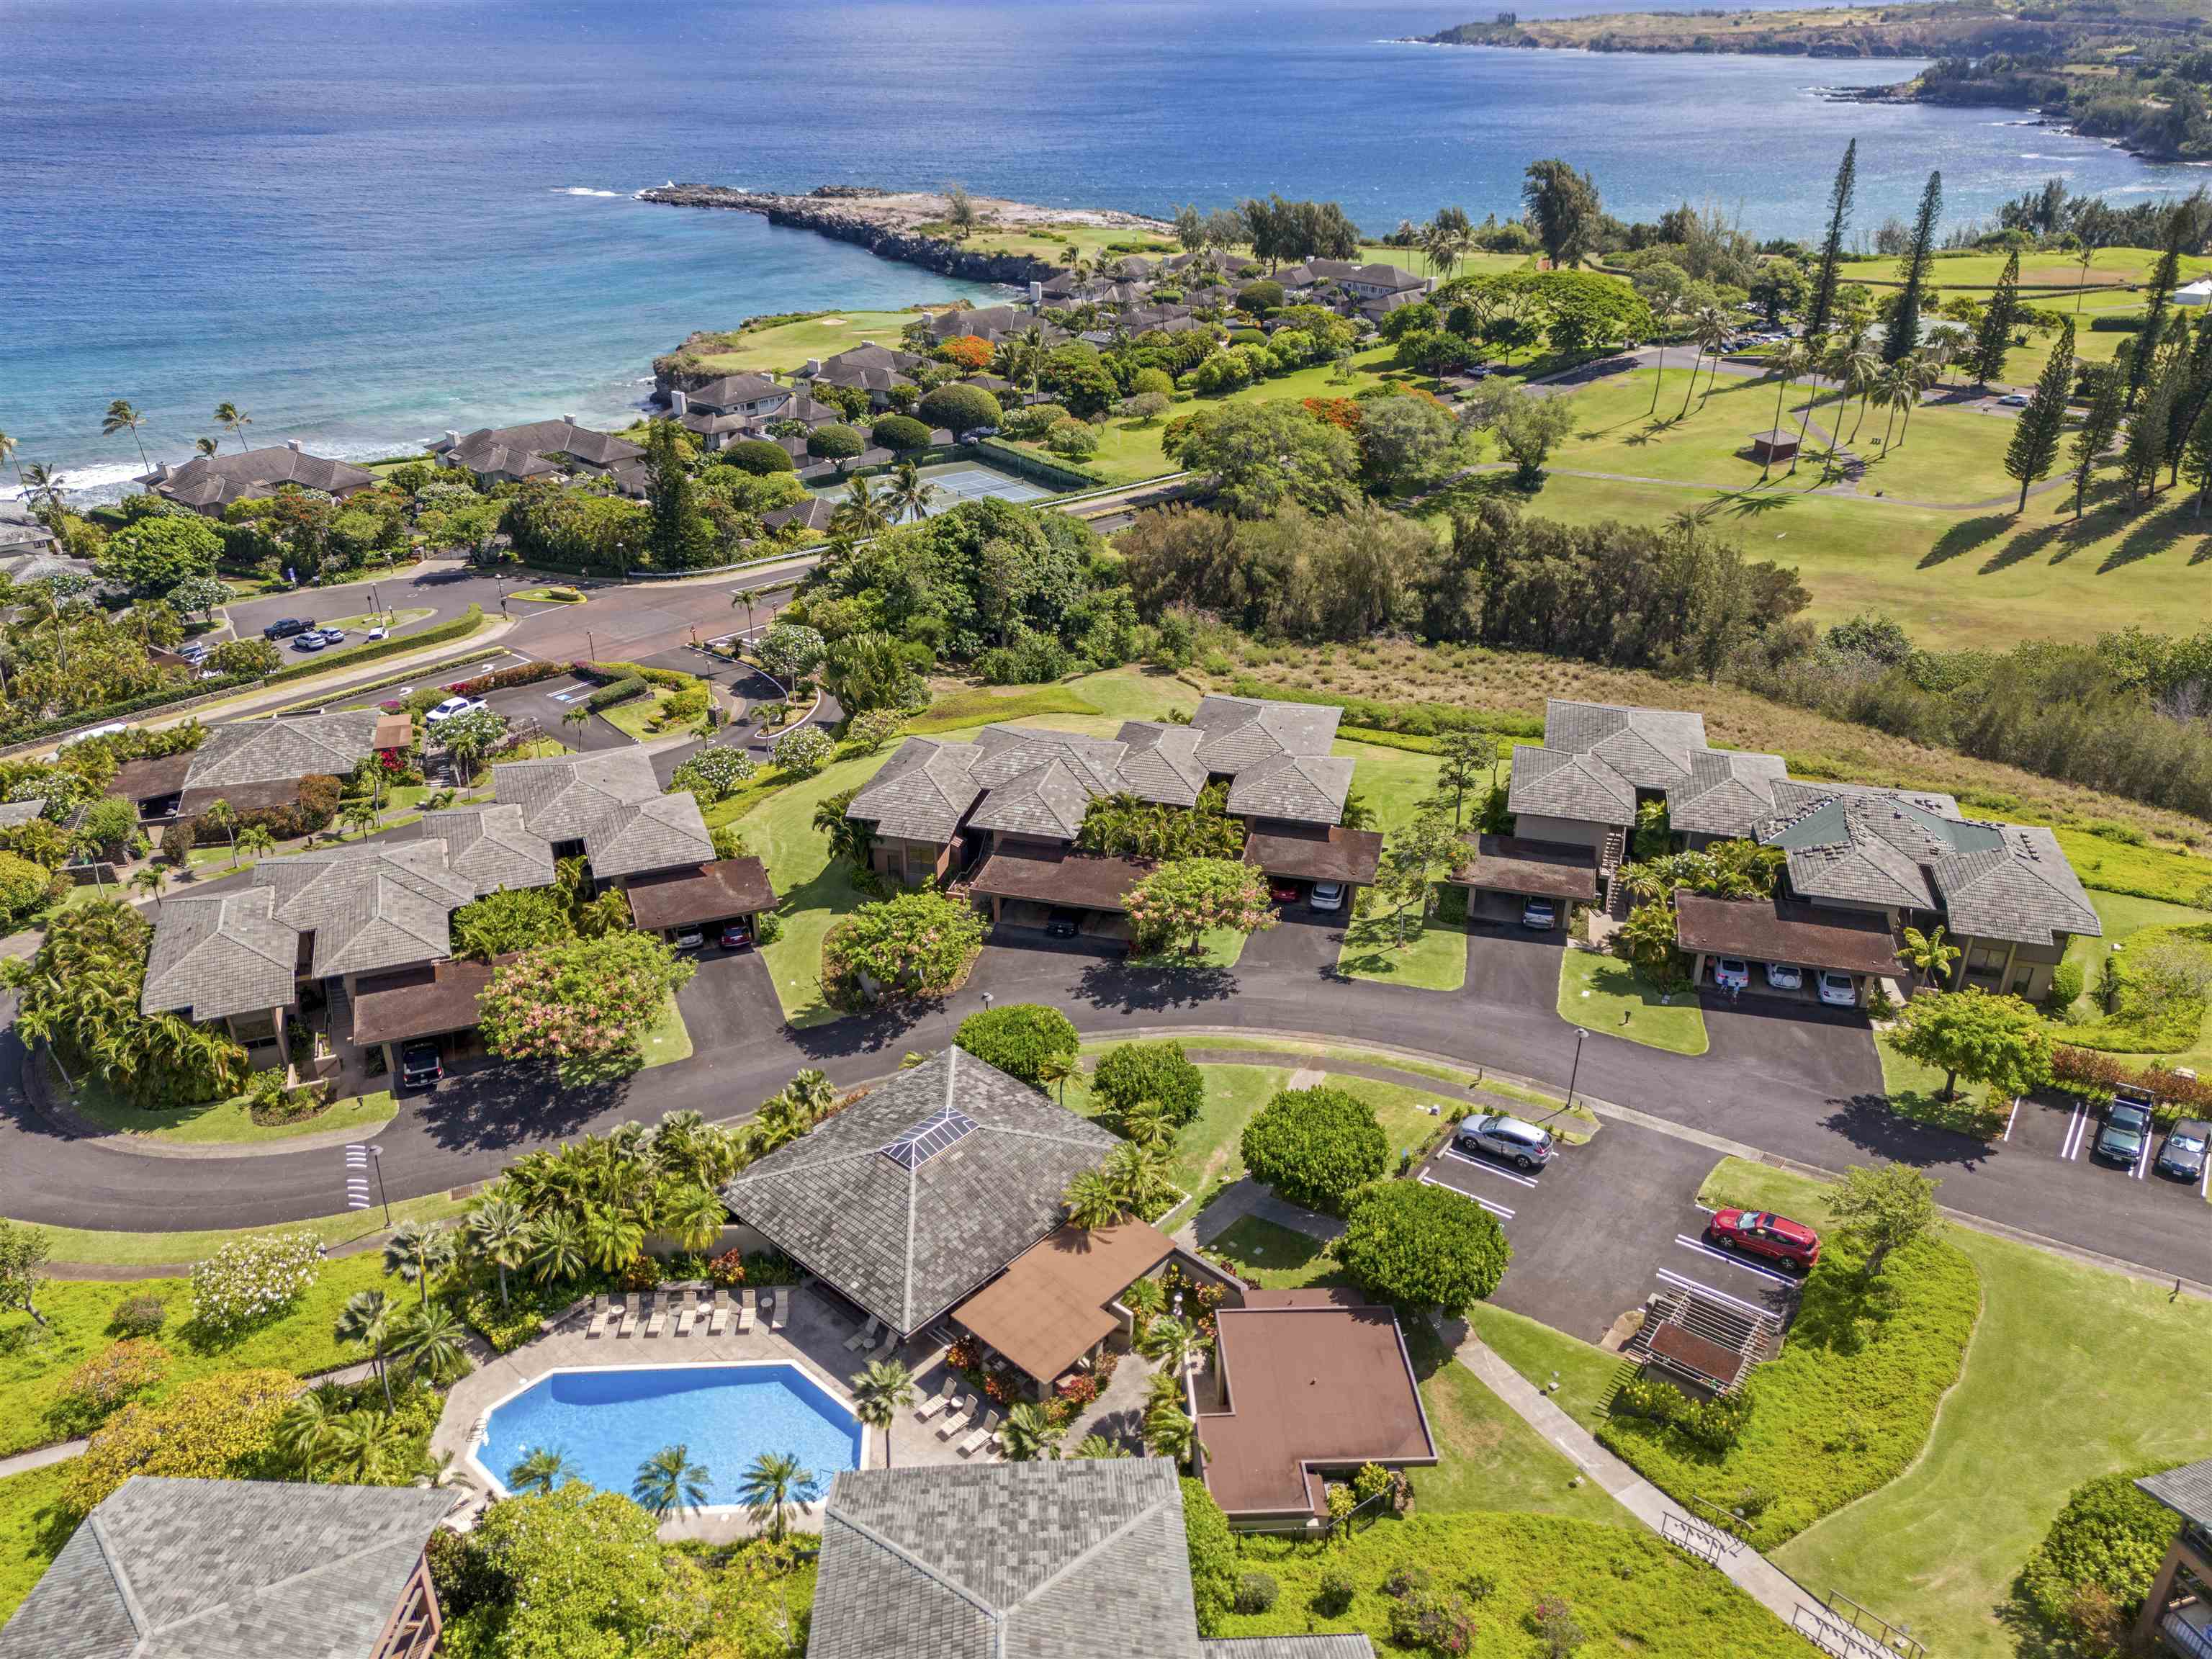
<point>606,1423</point>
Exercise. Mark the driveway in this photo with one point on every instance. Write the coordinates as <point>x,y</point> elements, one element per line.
<point>729,1002</point>
<point>1515,966</point>
<point>1303,945</point>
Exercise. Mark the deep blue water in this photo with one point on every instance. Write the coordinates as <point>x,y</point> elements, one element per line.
<point>606,1423</point>
<point>368,224</point>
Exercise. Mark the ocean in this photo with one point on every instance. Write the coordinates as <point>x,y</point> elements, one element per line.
<point>365,224</point>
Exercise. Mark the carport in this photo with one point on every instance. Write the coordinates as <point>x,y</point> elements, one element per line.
<point>665,902</point>
<point>1317,852</point>
<point>1821,940</point>
<point>1025,885</point>
<point>435,1000</point>
<point>1501,871</point>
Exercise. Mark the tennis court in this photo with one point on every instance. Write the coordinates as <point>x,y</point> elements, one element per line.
<point>962,480</point>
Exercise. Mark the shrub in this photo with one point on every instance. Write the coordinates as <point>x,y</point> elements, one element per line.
<point>2066,984</point>
<point>835,442</point>
<point>138,1316</point>
<point>1021,1040</point>
<point>251,1279</point>
<point>1255,1592</point>
<point>213,1427</point>
<point>111,1379</point>
<point>900,432</point>
<point>1405,1580</point>
<point>1315,1148</point>
<point>1032,420</point>
<point>714,775</point>
<point>2110,1536</point>
<point>758,457</point>
<point>625,689</point>
<point>959,409</point>
<point>1213,1551</point>
<point>1136,1071</point>
<point>803,750</point>
<point>1333,1597</point>
<point>1417,1245</point>
<point>26,887</point>
<point>1073,439</point>
<point>914,945</point>
<point>728,1268</point>
<point>870,731</point>
<point>1440,1624</point>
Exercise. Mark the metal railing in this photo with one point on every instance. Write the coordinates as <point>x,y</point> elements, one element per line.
<point>2190,1641</point>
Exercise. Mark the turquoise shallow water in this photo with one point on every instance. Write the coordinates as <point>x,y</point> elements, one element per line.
<point>607,1423</point>
<point>367,224</point>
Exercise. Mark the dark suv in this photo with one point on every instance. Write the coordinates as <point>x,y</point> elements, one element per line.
<point>285,628</point>
<point>420,1065</point>
<point>2183,1156</point>
<point>2126,1128</point>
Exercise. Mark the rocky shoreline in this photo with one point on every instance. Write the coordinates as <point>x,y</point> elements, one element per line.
<point>890,224</point>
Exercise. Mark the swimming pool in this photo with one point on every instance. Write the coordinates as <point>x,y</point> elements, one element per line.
<point>606,1422</point>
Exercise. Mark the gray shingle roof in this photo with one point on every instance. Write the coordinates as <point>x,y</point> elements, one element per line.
<point>1084,1558</point>
<point>2022,890</point>
<point>1241,731</point>
<point>228,1569</point>
<point>518,451</point>
<point>491,846</point>
<point>278,750</point>
<point>906,1244</point>
<point>1560,783</point>
<point>219,954</point>
<point>1352,1646</point>
<point>1635,735</point>
<point>2186,1491</point>
<point>611,802</point>
<point>214,481</point>
<point>1162,763</point>
<point>15,812</point>
<point>921,793</point>
<point>369,907</point>
<point>1726,793</point>
<point>1302,788</point>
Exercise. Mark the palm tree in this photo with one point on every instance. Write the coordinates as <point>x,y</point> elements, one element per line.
<point>206,446</point>
<point>879,1394</point>
<point>1171,1341</point>
<point>1929,954</point>
<point>361,816</point>
<point>612,1237</point>
<point>366,1318</point>
<point>1054,1071</point>
<point>745,598</point>
<point>42,486</point>
<point>224,817</point>
<point>1028,1436</point>
<point>1712,328</point>
<point>577,715</point>
<point>302,1433</point>
<point>861,514</point>
<point>368,1448</point>
<point>1864,373</point>
<point>1138,1175</point>
<point>1098,1446</point>
<point>695,1217</point>
<point>1091,1201</point>
<point>1144,1298</point>
<point>498,1231</point>
<point>122,417</point>
<point>542,1470</point>
<point>910,494</point>
<point>557,1250</point>
<point>151,879</point>
<point>1148,1125</point>
<point>233,420</point>
<point>1789,359</point>
<point>418,1252</point>
<point>256,839</point>
<point>1899,390</point>
<point>670,1483</point>
<point>1169,1433</point>
<point>434,1343</point>
<point>772,1487</point>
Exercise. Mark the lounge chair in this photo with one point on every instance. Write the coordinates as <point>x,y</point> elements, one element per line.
<point>782,1313</point>
<point>687,1310</point>
<point>883,1350</point>
<point>718,1320</point>
<point>656,1316</point>
<point>745,1313</point>
<point>602,1318</point>
<point>938,1401</point>
<point>625,1317</point>
<point>987,1429</point>
<point>963,1413</point>
<point>866,1336</point>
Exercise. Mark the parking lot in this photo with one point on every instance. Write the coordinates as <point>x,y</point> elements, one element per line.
<point>1606,1225</point>
<point>2063,1132</point>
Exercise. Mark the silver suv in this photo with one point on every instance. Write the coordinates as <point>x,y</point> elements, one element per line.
<point>1496,1135</point>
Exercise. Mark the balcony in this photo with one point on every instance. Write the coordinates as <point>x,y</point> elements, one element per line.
<point>2188,1630</point>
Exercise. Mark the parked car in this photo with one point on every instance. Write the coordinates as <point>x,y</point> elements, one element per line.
<point>1540,915</point>
<point>1283,892</point>
<point>452,705</point>
<point>193,651</point>
<point>420,1064</point>
<point>2184,1154</point>
<point>1731,973</point>
<point>2126,1128</point>
<point>284,628</point>
<point>736,935</point>
<point>333,636</point>
<point>1762,1233</point>
<point>2013,400</point>
<point>1329,896</point>
<point>1785,975</point>
<point>377,631</point>
<point>1062,924</point>
<point>690,939</point>
<point>311,641</point>
<point>1839,990</point>
<point>1514,1140</point>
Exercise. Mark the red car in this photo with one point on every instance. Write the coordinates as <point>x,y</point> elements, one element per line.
<point>1284,892</point>
<point>1759,1232</point>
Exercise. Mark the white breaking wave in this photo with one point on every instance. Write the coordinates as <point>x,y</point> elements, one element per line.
<point>84,480</point>
<point>582,189</point>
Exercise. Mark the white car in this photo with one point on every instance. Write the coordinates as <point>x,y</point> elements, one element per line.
<point>452,705</point>
<point>2013,400</point>
<point>1785,975</point>
<point>377,632</point>
<point>1839,990</point>
<point>1731,973</point>
<point>1327,896</point>
<point>1540,915</point>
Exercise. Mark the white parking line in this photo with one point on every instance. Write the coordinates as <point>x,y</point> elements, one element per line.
<point>1484,1163</point>
<point>1703,1249</point>
<point>1498,1209</point>
<point>2010,1118</point>
<point>2074,1129</point>
<point>1682,1283</point>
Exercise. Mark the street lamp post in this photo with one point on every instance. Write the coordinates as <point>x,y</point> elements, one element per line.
<point>1577,1070</point>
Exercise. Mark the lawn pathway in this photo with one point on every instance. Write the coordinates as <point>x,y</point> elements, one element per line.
<point>1751,1571</point>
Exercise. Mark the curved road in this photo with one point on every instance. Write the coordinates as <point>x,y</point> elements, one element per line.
<point>1801,1085</point>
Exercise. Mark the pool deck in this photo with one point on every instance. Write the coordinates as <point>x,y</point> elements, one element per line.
<point>813,1339</point>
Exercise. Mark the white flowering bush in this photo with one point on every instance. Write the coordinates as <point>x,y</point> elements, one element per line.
<point>805,750</point>
<point>250,1279</point>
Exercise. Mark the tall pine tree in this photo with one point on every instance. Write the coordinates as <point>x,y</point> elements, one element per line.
<point>2144,452</point>
<point>678,538</point>
<point>1904,336</point>
<point>2108,390</point>
<point>2196,390</point>
<point>2197,456</point>
<point>2153,323</point>
<point>1994,337</point>
<point>1823,301</point>
<point>2035,436</point>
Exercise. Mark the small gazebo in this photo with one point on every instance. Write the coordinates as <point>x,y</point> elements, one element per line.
<point>1768,447</point>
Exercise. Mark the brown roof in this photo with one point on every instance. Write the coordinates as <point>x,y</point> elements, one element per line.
<point>424,1001</point>
<point>1048,1308</point>
<point>274,794</point>
<point>1684,1349</point>
<point>700,893</point>
<point>1785,930</point>
<point>1051,876</point>
<point>1311,1385</point>
<point>1507,864</point>
<point>1322,852</point>
<point>152,777</point>
<point>392,732</point>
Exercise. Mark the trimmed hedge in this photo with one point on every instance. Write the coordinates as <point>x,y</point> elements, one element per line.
<point>460,627</point>
<point>1019,1039</point>
<point>1137,1072</point>
<point>1315,1148</point>
<point>625,689</point>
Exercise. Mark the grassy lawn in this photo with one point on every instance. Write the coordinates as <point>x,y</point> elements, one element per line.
<point>1280,1258</point>
<point>787,345</point>
<point>34,1363</point>
<point>2073,1372</point>
<point>551,596</point>
<point>1630,1593</point>
<point>634,719</point>
<point>2107,866</point>
<point>1604,994</point>
<point>223,1122</point>
<point>93,1247</point>
<point>31,1533</point>
<point>1587,1374</point>
<point>982,705</point>
<point>1403,1113</point>
<point>1435,959</point>
<point>394,619</point>
<point>1207,1149</point>
<point>668,1038</point>
<point>1916,1091</point>
<point>815,894</point>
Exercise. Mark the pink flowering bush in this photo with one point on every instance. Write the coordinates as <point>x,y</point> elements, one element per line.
<point>583,1004</point>
<point>1186,898</point>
